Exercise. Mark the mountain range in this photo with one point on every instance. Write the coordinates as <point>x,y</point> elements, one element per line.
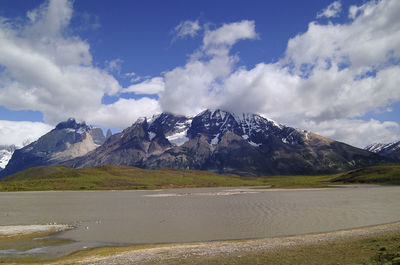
<point>214,140</point>
<point>68,140</point>
<point>390,150</point>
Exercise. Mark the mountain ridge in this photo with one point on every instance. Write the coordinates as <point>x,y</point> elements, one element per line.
<point>213,140</point>
<point>69,139</point>
<point>390,150</point>
<point>224,142</point>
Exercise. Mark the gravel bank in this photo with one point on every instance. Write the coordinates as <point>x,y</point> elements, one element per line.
<point>159,255</point>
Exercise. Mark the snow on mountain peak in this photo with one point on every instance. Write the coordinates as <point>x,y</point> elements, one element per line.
<point>252,127</point>
<point>213,124</point>
<point>381,147</point>
<point>6,152</point>
<point>173,127</point>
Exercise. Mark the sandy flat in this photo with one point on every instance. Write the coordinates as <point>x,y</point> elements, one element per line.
<point>167,252</point>
<point>15,230</point>
<point>219,193</point>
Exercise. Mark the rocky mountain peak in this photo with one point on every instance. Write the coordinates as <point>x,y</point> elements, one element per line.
<point>167,123</point>
<point>253,128</point>
<point>9,148</point>
<point>6,152</point>
<point>213,123</point>
<point>72,124</point>
<point>68,140</point>
<point>75,131</point>
<point>390,150</point>
<point>108,134</point>
<point>381,147</point>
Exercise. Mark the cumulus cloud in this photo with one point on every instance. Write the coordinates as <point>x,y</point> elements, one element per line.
<point>329,77</point>
<point>187,28</point>
<point>21,132</point>
<point>150,86</point>
<point>356,132</point>
<point>333,72</point>
<point>193,87</point>
<point>222,38</point>
<point>332,10</point>
<point>115,115</point>
<point>46,69</point>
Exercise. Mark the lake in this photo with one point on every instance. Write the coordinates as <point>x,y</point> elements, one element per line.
<point>192,215</point>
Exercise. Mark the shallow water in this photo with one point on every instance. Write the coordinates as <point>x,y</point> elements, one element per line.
<point>190,215</point>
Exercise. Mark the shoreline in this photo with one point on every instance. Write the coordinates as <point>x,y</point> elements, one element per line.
<point>9,231</point>
<point>254,188</point>
<point>206,251</point>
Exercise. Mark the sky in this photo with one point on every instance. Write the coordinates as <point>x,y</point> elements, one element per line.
<point>331,67</point>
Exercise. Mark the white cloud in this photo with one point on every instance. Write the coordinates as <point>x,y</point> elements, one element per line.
<point>333,72</point>
<point>114,65</point>
<point>150,86</point>
<point>332,10</point>
<point>366,9</point>
<point>330,76</point>
<point>193,87</point>
<point>353,11</point>
<point>48,70</point>
<point>187,28</point>
<point>227,35</point>
<point>49,19</point>
<point>358,133</point>
<point>124,112</point>
<point>18,132</point>
<point>133,77</point>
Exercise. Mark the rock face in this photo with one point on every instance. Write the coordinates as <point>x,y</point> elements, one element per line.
<point>6,152</point>
<point>224,142</point>
<point>108,134</point>
<point>391,150</point>
<point>68,140</point>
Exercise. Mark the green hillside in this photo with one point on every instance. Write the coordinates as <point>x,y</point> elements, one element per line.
<point>381,174</point>
<point>128,178</point>
<point>115,177</point>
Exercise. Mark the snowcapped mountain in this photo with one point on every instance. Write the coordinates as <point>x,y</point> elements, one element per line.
<point>390,150</point>
<point>251,127</point>
<point>174,128</point>
<point>6,152</point>
<point>68,140</point>
<point>217,140</point>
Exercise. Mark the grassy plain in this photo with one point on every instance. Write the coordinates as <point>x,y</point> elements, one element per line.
<point>109,177</point>
<point>116,178</point>
<point>380,174</point>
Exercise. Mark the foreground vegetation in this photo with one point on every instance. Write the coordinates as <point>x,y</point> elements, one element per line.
<point>114,178</point>
<point>380,174</point>
<point>382,248</point>
<point>128,178</point>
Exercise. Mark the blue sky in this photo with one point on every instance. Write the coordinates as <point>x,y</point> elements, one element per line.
<point>327,66</point>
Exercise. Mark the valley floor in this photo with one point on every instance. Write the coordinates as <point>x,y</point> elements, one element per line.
<point>370,245</point>
<point>130,178</point>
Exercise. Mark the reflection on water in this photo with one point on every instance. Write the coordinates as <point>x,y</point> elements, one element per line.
<point>189,215</point>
